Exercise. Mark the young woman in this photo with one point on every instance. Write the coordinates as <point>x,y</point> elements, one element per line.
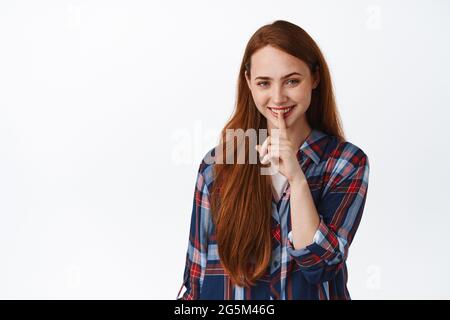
<point>283,235</point>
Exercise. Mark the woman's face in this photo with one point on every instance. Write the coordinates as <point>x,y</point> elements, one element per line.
<point>278,82</point>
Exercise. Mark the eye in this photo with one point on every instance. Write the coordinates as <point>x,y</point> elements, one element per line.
<point>294,81</point>
<point>261,82</point>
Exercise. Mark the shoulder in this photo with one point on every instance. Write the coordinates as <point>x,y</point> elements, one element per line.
<point>343,158</point>
<point>349,153</point>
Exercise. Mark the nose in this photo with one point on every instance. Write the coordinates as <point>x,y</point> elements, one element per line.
<point>279,96</point>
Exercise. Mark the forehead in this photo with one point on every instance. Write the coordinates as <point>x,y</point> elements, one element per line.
<point>270,61</point>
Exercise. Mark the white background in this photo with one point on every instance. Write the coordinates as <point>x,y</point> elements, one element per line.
<point>107,107</point>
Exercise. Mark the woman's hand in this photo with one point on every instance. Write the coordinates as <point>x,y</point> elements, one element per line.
<point>281,154</point>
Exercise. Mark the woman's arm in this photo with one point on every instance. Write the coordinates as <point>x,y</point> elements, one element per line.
<point>339,212</point>
<point>304,217</point>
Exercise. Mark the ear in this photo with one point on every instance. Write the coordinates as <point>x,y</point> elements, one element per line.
<point>316,78</point>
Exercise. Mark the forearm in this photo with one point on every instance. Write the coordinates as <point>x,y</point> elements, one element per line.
<point>304,217</point>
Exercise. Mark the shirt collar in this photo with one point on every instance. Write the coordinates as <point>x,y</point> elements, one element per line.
<point>313,146</point>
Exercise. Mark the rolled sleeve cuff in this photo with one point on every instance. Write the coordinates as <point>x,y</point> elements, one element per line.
<point>324,248</point>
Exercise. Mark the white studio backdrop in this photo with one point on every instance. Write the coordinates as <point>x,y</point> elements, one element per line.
<point>107,107</point>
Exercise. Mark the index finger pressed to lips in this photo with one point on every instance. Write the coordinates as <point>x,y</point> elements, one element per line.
<point>282,124</point>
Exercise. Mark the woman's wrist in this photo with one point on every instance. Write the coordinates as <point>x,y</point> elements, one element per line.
<point>298,180</point>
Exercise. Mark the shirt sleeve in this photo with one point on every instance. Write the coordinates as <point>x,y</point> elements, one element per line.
<point>340,211</point>
<point>196,255</point>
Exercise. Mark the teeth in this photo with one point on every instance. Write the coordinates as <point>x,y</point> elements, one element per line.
<point>282,110</point>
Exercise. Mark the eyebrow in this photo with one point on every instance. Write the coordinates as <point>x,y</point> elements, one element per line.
<point>283,77</point>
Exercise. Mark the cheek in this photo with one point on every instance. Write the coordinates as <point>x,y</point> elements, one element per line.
<point>303,97</point>
<point>261,100</point>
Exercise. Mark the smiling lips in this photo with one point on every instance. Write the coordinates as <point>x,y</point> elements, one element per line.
<point>284,110</point>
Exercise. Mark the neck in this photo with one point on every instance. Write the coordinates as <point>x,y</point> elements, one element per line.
<point>296,133</point>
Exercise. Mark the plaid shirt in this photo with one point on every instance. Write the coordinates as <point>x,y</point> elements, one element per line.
<point>338,175</point>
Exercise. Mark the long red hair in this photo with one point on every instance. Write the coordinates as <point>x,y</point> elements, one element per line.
<point>240,196</point>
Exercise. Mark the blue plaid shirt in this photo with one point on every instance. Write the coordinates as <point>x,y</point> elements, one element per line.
<point>337,174</point>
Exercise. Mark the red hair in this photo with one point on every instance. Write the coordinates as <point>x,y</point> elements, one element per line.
<point>241,197</point>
